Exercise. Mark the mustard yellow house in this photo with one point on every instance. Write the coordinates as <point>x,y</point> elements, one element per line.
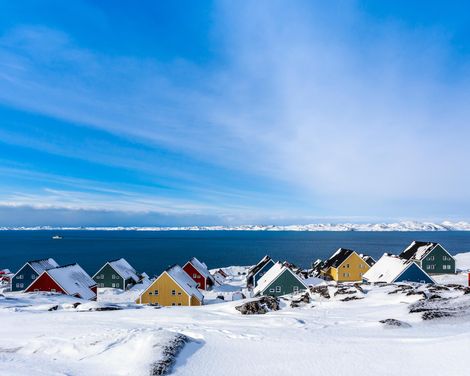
<point>172,288</point>
<point>346,265</point>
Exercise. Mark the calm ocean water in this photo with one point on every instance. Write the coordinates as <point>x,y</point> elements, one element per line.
<point>154,251</point>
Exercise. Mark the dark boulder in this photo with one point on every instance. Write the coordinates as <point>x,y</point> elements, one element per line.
<point>393,323</point>
<point>321,290</point>
<point>259,306</point>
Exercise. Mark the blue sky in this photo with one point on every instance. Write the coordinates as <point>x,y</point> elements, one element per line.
<point>233,112</point>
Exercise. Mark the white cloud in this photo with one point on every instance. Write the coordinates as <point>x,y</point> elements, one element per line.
<point>358,117</point>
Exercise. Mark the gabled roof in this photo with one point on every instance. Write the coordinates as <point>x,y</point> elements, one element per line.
<point>201,268</point>
<point>256,268</point>
<point>388,269</point>
<point>338,258</point>
<point>271,275</point>
<point>124,269</point>
<point>73,280</point>
<point>417,250</point>
<point>177,273</point>
<point>40,265</point>
<point>368,259</point>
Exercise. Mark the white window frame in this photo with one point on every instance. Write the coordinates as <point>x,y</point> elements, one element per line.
<point>295,289</point>
<point>173,292</point>
<point>278,288</point>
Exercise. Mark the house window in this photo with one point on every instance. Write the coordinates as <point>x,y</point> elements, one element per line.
<point>345,274</point>
<point>173,304</point>
<point>194,275</point>
<point>150,293</point>
<point>21,276</point>
<point>431,258</point>
<point>102,285</point>
<point>33,276</point>
<point>278,288</point>
<point>179,292</point>
<point>173,292</point>
<point>156,292</point>
<point>17,285</point>
<point>179,304</point>
<point>36,290</point>
<point>361,274</point>
<point>102,276</point>
<point>53,290</point>
<point>296,289</point>
<point>431,267</point>
<point>271,290</point>
<point>113,284</point>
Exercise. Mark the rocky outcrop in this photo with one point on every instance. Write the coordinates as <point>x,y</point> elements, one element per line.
<point>259,306</point>
<point>393,323</point>
<point>170,352</point>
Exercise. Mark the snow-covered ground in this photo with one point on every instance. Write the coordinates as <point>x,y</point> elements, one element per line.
<point>324,336</point>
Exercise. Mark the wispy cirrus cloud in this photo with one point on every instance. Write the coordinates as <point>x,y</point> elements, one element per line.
<point>329,113</point>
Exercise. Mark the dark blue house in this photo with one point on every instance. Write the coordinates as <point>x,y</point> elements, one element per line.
<point>258,271</point>
<point>29,272</point>
<point>392,269</point>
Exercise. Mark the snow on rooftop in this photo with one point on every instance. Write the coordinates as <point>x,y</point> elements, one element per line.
<point>40,265</point>
<point>276,270</point>
<point>387,269</point>
<point>184,280</point>
<point>201,267</point>
<point>74,280</point>
<point>124,269</point>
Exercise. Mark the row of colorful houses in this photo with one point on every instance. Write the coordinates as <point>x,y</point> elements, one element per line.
<point>183,286</point>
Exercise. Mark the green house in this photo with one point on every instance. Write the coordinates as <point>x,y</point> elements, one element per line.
<point>279,280</point>
<point>118,274</point>
<point>433,258</point>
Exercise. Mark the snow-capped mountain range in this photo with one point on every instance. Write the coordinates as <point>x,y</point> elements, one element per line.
<point>398,226</point>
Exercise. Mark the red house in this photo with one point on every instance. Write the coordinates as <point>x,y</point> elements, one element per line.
<point>199,273</point>
<point>69,280</point>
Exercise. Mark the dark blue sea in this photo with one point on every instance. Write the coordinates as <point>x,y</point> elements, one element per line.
<point>154,251</point>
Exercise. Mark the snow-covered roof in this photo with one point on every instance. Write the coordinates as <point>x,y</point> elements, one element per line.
<point>417,250</point>
<point>201,268</point>
<point>40,265</point>
<point>387,269</point>
<point>368,259</point>
<point>255,268</point>
<point>338,258</point>
<point>177,273</point>
<point>271,275</point>
<point>124,269</point>
<point>74,280</point>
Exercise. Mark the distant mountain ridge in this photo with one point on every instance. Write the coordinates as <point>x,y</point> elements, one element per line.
<point>398,226</point>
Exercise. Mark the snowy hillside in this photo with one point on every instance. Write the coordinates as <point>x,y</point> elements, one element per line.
<point>399,226</point>
<point>366,329</point>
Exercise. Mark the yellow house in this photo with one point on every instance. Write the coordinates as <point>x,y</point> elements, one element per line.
<point>172,288</point>
<point>346,265</point>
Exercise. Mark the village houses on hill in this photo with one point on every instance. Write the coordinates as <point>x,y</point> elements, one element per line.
<point>29,272</point>
<point>173,287</point>
<point>117,274</point>
<point>346,265</point>
<point>431,257</point>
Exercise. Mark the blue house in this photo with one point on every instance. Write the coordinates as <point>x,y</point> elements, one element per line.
<point>29,272</point>
<point>258,271</point>
<point>393,269</point>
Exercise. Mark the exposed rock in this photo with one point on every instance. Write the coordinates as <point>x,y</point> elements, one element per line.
<point>301,301</point>
<point>348,298</point>
<point>393,323</point>
<point>54,308</point>
<point>358,287</point>
<point>322,290</point>
<point>442,307</point>
<point>260,306</point>
<point>343,290</point>
<point>170,352</point>
<point>221,297</point>
<point>76,304</point>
